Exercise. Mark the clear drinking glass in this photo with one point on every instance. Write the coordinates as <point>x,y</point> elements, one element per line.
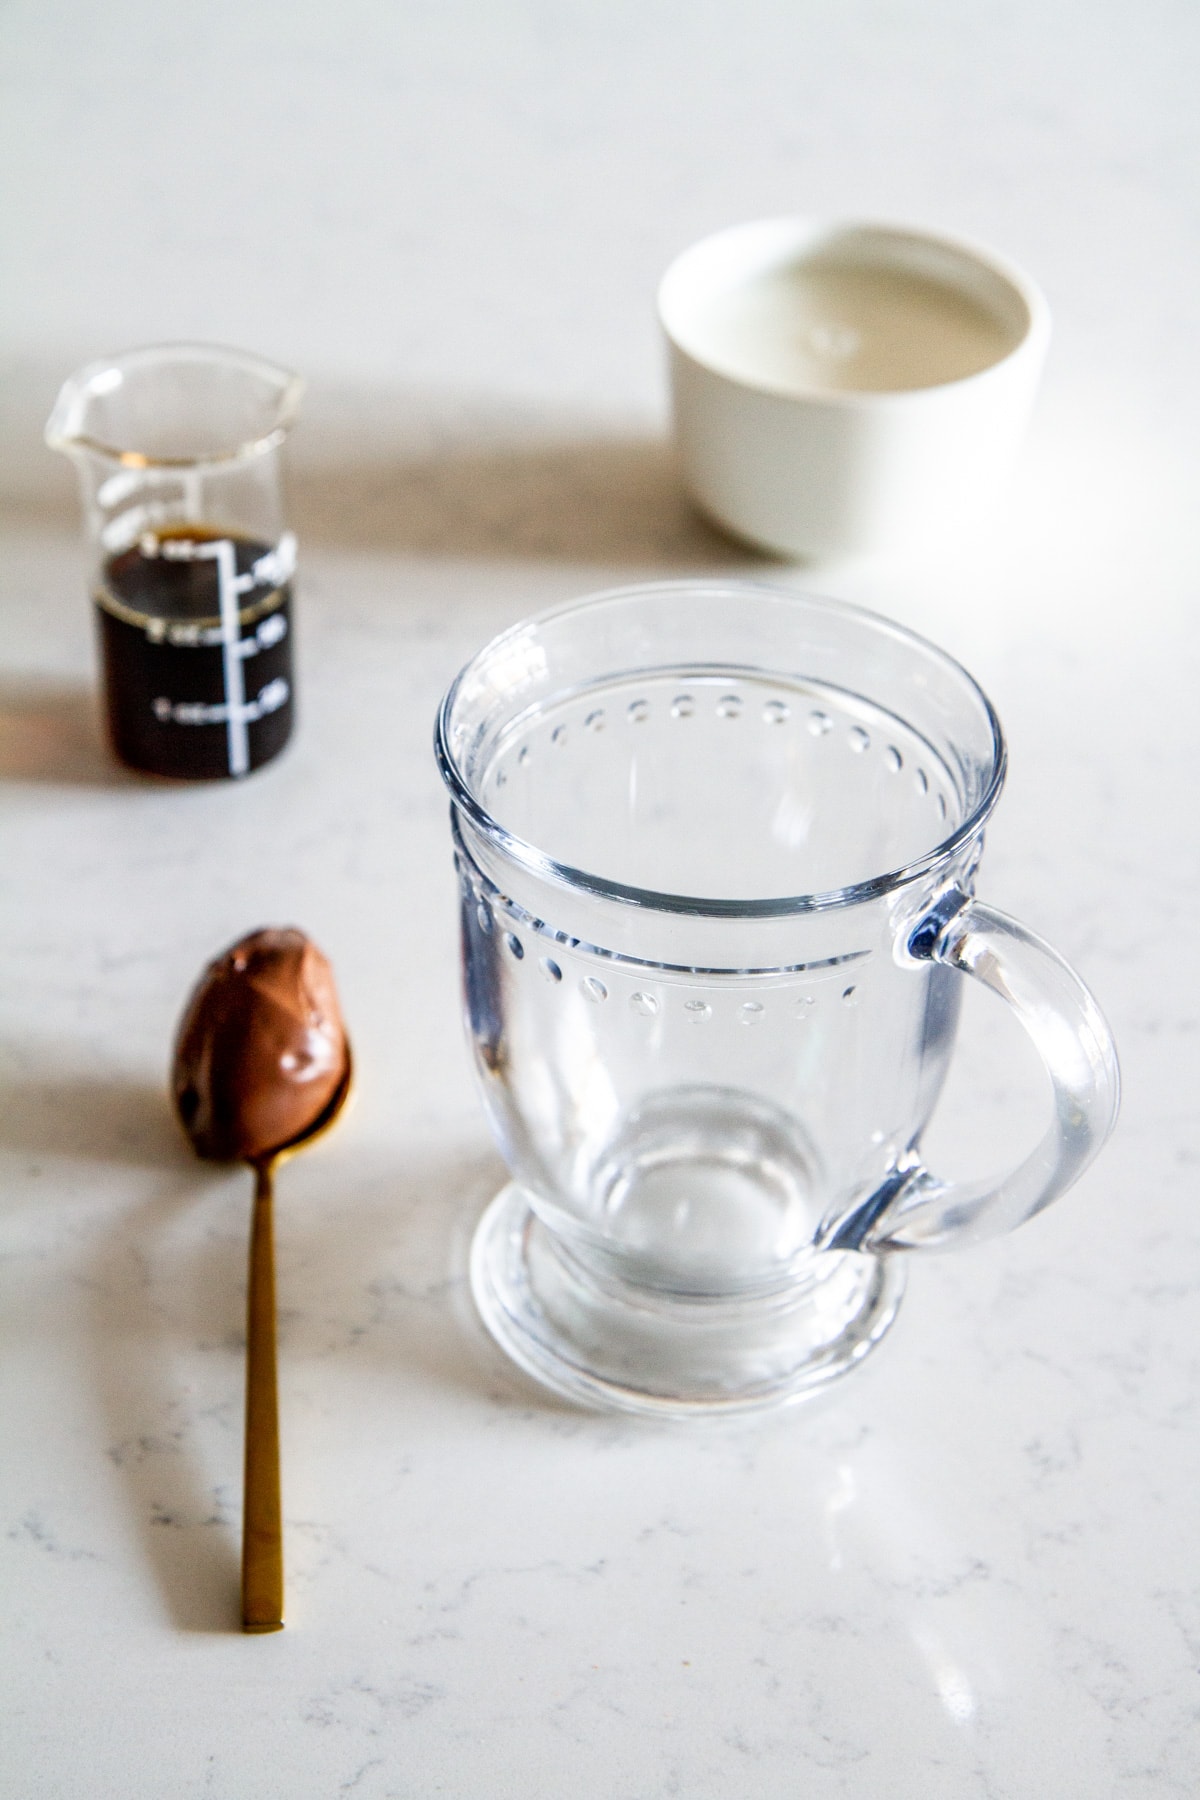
<point>717,847</point>
<point>177,452</point>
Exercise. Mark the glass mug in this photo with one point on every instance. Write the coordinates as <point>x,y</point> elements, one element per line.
<point>716,845</point>
<point>177,450</point>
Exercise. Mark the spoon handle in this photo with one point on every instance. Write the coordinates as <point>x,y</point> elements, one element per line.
<point>262,1525</point>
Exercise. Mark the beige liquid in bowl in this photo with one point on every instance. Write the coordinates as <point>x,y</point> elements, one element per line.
<point>848,327</point>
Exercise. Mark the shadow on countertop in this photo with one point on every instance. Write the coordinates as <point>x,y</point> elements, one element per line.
<point>50,732</point>
<point>375,466</point>
<point>574,498</point>
<point>376,1281</point>
<point>167,1334</point>
<point>50,1109</point>
<point>152,1297</point>
<point>150,1294</point>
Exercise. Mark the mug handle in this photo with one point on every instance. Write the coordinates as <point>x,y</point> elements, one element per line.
<point>913,1209</point>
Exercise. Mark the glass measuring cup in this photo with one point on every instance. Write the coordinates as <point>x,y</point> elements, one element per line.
<point>176,447</point>
<point>716,847</point>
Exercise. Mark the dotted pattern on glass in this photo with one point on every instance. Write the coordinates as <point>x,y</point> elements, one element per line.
<point>687,782</point>
<point>778,1003</point>
<point>727,705</point>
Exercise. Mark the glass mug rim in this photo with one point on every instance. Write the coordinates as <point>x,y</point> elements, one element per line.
<point>540,864</point>
<point>65,427</point>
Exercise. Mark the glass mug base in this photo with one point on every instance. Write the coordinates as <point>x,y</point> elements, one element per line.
<point>601,1342</point>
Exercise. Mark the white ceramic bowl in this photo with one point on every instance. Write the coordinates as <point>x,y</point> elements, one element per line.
<point>843,388</point>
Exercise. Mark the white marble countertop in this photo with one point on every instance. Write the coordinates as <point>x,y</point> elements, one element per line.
<point>972,1571</point>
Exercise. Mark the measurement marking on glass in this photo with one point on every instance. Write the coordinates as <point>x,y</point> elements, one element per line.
<point>235,691</point>
<point>275,568</point>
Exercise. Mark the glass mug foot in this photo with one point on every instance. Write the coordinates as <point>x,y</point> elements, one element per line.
<point>599,1341</point>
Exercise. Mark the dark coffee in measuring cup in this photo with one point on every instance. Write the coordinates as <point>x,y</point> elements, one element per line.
<point>196,641</point>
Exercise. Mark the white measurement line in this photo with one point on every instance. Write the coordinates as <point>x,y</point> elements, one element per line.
<point>236,735</point>
<point>276,566</point>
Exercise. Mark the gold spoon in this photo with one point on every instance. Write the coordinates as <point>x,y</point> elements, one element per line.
<point>261,1069</point>
<point>262,1517</point>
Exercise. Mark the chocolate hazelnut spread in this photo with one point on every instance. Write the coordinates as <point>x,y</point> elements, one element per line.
<point>262,1051</point>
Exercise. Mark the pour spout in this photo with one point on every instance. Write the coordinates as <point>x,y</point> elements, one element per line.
<point>175,406</point>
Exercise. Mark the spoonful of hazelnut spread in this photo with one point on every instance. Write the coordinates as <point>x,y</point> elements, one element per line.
<point>262,1067</point>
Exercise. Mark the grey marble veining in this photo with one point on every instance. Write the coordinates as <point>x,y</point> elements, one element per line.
<point>972,1571</point>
